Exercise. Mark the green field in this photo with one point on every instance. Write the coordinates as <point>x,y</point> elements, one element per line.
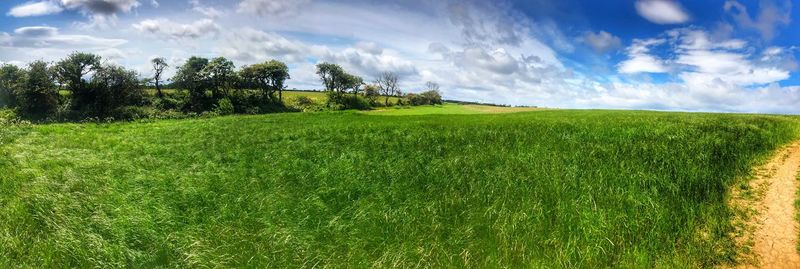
<point>447,109</point>
<point>549,189</point>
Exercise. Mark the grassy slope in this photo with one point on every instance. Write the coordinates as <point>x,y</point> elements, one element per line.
<point>549,188</point>
<point>447,109</point>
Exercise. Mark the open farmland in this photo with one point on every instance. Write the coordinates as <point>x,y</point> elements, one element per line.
<point>555,188</point>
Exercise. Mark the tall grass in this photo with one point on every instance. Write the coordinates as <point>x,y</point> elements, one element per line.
<point>580,189</point>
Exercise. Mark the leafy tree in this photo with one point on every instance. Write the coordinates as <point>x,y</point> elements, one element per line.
<point>432,97</point>
<point>38,95</point>
<point>220,73</point>
<point>11,79</point>
<point>159,65</point>
<point>371,92</point>
<point>388,84</point>
<point>70,73</point>
<point>114,87</point>
<point>190,77</point>
<point>269,77</point>
<point>352,83</point>
<point>332,75</point>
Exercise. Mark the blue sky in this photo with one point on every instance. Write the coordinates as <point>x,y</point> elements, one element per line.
<point>712,55</point>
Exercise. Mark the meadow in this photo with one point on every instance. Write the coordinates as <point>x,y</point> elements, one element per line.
<point>540,189</point>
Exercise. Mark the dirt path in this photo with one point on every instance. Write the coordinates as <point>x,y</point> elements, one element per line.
<point>774,240</point>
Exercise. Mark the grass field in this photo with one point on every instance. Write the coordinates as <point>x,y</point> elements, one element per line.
<point>550,189</point>
<point>448,109</point>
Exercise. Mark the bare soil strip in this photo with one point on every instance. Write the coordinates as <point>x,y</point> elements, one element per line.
<point>773,227</point>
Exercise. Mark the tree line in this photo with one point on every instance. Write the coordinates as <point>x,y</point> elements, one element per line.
<point>83,86</point>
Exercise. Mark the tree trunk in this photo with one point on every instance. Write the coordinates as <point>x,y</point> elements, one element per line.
<point>158,89</point>
<point>386,103</point>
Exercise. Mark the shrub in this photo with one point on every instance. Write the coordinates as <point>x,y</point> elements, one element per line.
<point>131,113</point>
<point>341,101</point>
<point>112,87</point>
<point>37,97</point>
<point>426,98</point>
<point>224,107</point>
<point>11,77</point>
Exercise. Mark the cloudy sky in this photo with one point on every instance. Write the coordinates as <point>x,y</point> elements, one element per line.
<point>711,55</point>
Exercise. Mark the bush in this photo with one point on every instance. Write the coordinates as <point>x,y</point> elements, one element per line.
<point>130,113</point>
<point>341,101</point>
<point>224,107</point>
<point>37,98</point>
<point>425,98</point>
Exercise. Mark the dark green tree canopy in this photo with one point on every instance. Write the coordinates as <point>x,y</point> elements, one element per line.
<point>71,71</point>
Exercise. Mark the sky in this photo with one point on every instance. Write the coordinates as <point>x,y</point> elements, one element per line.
<point>710,55</point>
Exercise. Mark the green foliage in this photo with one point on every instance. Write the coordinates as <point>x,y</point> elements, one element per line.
<point>112,87</point>
<point>37,96</point>
<point>424,98</point>
<point>11,79</point>
<point>71,72</point>
<point>269,77</point>
<point>548,189</point>
<point>190,76</point>
<point>224,107</point>
<point>219,72</point>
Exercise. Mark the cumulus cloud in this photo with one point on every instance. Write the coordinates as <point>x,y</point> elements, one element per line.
<point>174,30</point>
<point>207,11</point>
<point>50,37</point>
<point>363,58</point>
<point>640,60</point>
<point>35,9</point>
<point>662,11</point>
<point>271,7</point>
<point>602,41</point>
<point>768,19</point>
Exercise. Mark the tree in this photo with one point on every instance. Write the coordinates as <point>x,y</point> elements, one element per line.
<point>268,76</point>
<point>371,91</point>
<point>71,71</point>
<point>352,83</point>
<point>113,87</point>
<point>11,78</point>
<point>432,86</point>
<point>38,95</point>
<point>220,73</point>
<point>387,83</point>
<point>432,97</point>
<point>159,65</point>
<point>331,75</point>
<point>190,77</point>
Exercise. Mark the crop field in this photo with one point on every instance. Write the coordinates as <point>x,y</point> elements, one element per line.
<point>541,189</point>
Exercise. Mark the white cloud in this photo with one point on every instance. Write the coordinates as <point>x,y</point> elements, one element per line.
<point>662,11</point>
<point>601,41</point>
<point>173,30</point>
<point>49,37</point>
<point>207,11</point>
<point>640,60</point>
<point>769,18</point>
<point>271,7</point>
<point>35,9</point>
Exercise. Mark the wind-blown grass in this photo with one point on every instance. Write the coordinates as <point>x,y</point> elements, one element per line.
<point>582,189</point>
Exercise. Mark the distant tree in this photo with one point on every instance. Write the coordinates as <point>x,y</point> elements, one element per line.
<point>11,79</point>
<point>159,65</point>
<point>432,97</point>
<point>71,73</point>
<point>371,92</point>
<point>38,95</point>
<point>432,86</point>
<point>190,77</point>
<point>269,77</point>
<point>388,84</point>
<point>220,73</point>
<point>352,83</point>
<point>114,87</point>
<point>332,76</point>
